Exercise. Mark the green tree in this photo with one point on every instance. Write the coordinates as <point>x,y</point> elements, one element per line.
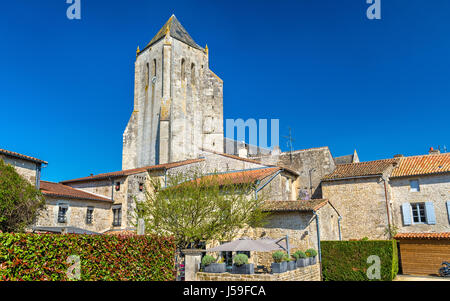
<point>197,208</point>
<point>19,200</point>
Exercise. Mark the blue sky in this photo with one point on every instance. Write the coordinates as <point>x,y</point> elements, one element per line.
<point>321,67</point>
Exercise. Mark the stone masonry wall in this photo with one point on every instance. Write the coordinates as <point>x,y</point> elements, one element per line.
<point>24,168</point>
<point>362,205</point>
<point>309,273</point>
<point>434,189</point>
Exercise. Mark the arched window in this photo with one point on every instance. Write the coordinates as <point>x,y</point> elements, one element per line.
<point>193,74</point>
<point>183,69</point>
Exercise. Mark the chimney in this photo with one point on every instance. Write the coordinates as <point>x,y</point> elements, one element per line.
<point>243,152</point>
<point>398,156</point>
<point>434,151</point>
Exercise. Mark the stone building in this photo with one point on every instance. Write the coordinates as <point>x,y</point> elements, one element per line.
<point>178,101</point>
<point>26,166</point>
<point>406,194</point>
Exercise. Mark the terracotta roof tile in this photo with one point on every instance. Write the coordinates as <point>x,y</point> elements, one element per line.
<point>361,169</point>
<point>128,172</point>
<point>14,154</point>
<point>287,206</point>
<point>61,190</point>
<point>422,165</point>
<point>437,236</point>
<point>240,177</point>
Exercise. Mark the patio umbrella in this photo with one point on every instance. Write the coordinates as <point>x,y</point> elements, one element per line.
<point>247,244</point>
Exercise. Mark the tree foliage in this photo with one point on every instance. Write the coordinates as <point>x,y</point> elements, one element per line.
<point>196,208</point>
<point>19,200</point>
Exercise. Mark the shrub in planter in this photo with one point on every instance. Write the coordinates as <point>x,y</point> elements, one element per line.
<point>279,265</point>
<point>291,265</point>
<point>312,256</point>
<point>241,265</point>
<point>302,260</point>
<point>210,266</point>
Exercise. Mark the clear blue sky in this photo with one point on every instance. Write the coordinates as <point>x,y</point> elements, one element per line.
<point>321,67</point>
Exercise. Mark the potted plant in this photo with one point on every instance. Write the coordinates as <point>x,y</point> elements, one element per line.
<point>302,260</point>
<point>210,266</point>
<point>312,256</point>
<point>241,265</point>
<point>294,259</point>
<point>279,265</point>
<point>290,263</point>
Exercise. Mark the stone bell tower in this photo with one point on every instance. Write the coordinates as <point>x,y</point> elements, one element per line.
<point>178,101</point>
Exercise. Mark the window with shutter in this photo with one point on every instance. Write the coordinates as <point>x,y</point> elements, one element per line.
<point>406,212</point>
<point>429,211</point>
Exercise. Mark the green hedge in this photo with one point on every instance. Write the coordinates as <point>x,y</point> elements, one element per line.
<point>347,260</point>
<point>103,257</point>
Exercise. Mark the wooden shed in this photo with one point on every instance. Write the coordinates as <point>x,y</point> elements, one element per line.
<point>423,253</point>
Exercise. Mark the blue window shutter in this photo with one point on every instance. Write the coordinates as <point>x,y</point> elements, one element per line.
<point>429,211</point>
<point>406,211</point>
<point>448,210</point>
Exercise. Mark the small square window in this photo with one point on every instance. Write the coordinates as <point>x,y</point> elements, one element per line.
<point>414,185</point>
<point>117,186</point>
<point>141,186</point>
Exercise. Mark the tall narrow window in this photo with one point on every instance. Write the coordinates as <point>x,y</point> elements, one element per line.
<point>154,71</point>
<point>62,213</point>
<point>193,74</point>
<point>89,214</point>
<point>183,69</point>
<point>117,215</point>
<point>147,74</point>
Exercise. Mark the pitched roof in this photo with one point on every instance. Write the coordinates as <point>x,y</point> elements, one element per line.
<point>436,236</point>
<point>290,206</point>
<point>422,165</point>
<point>239,177</point>
<point>361,169</point>
<point>14,154</point>
<point>133,171</point>
<point>61,190</point>
<point>176,31</point>
<point>250,161</point>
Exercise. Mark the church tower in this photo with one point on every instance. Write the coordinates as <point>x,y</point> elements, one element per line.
<point>178,101</point>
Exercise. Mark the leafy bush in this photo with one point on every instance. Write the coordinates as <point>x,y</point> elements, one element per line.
<point>311,253</point>
<point>240,259</point>
<point>278,256</point>
<point>207,260</point>
<point>29,256</point>
<point>347,260</point>
<point>300,254</point>
<point>294,256</point>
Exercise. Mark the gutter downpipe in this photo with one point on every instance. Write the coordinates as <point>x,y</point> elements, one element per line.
<point>318,242</point>
<point>270,180</point>
<point>387,208</point>
<point>339,227</point>
<point>165,177</point>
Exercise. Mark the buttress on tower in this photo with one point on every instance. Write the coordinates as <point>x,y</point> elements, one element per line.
<point>178,101</point>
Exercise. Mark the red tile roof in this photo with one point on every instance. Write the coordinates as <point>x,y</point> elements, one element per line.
<point>422,165</point>
<point>239,177</point>
<point>128,172</point>
<point>61,190</point>
<point>362,169</point>
<point>437,236</point>
<point>251,161</point>
<point>289,206</point>
<point>14,154</point>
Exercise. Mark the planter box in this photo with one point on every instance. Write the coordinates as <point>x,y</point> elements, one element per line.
<point>302,262</point>
<point>291,265</point>
<point>312,260</point>
<point>280,267</point>
<point>243,269</point>
<point>215,268</point>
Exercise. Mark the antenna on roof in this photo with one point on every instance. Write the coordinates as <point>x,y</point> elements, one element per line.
<point>289,143</point>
